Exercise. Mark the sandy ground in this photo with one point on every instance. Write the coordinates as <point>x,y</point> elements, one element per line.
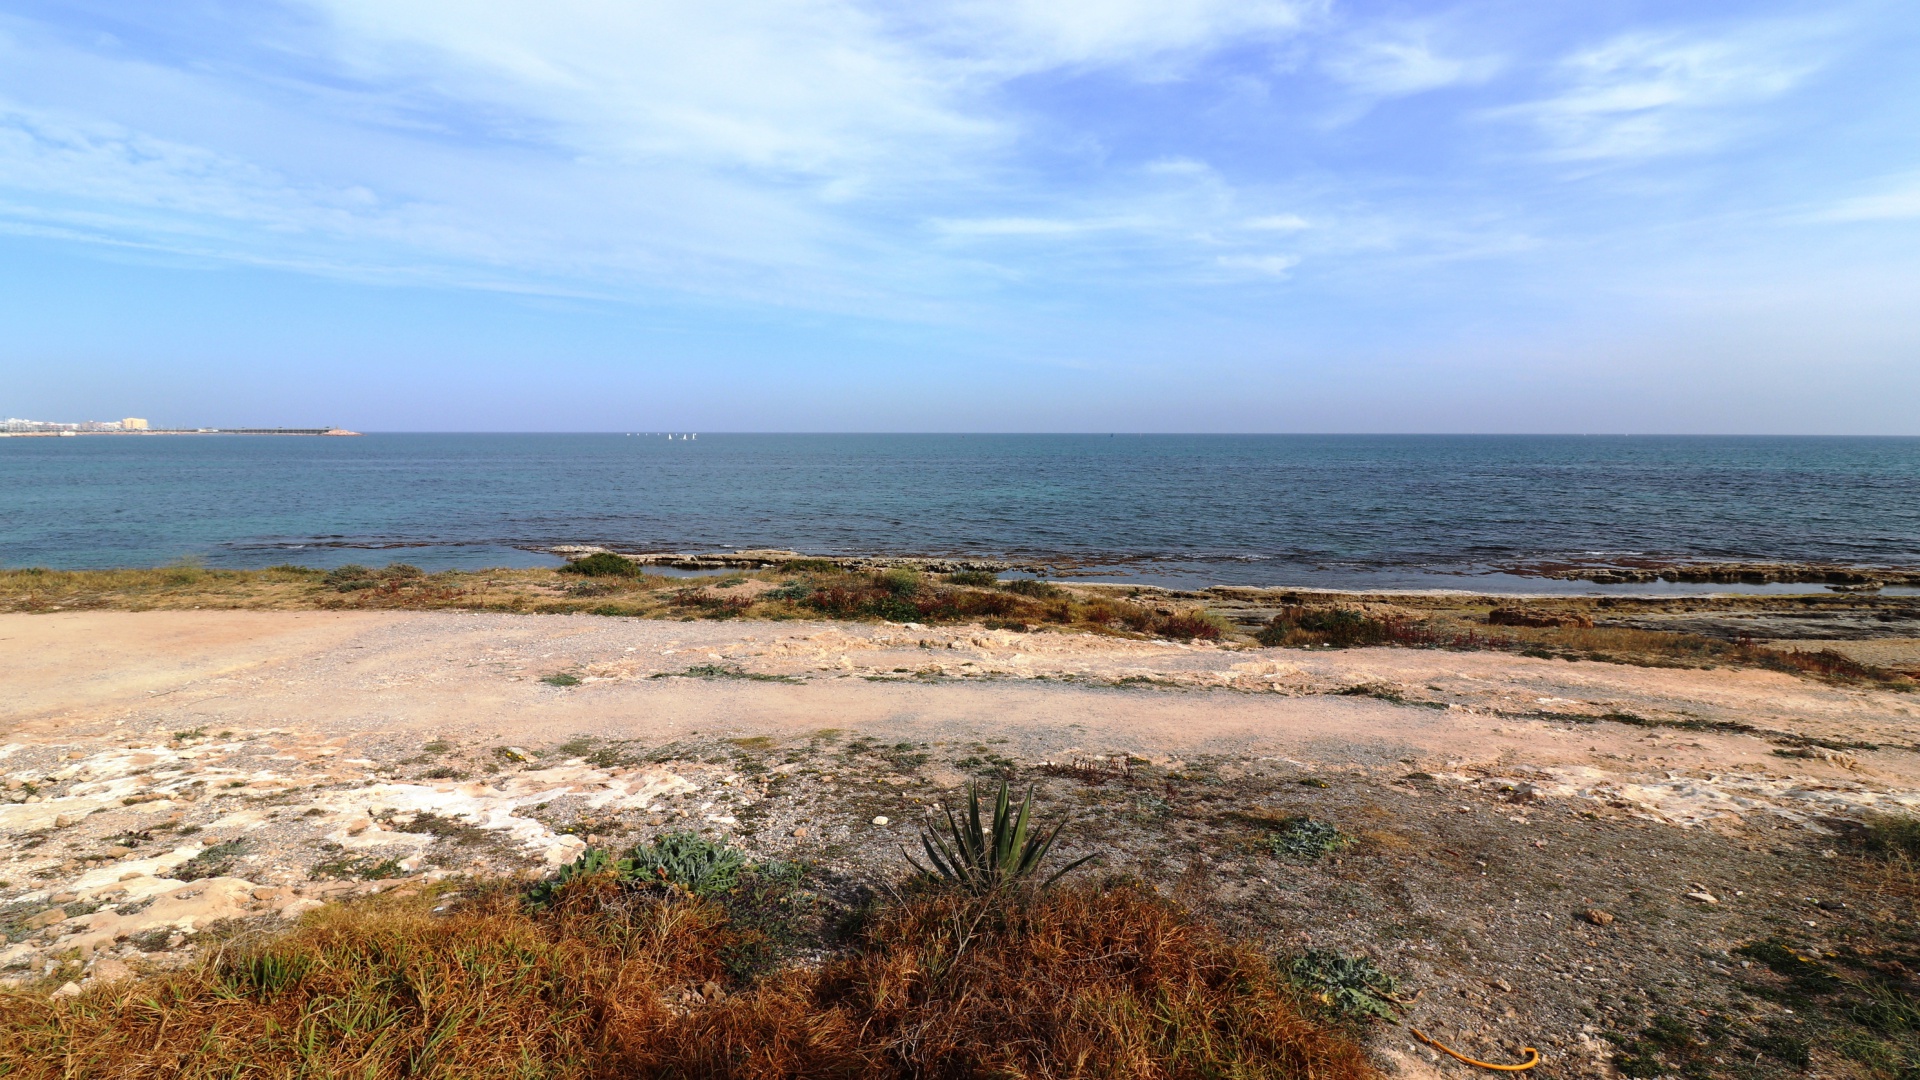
<point>170,769</point>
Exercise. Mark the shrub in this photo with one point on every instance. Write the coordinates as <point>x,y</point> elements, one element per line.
<point>899,581</point>
<point>349,576</point>
<point>811,566</point>
<point>1892,837</point>
<point>1180,626</point>
<point>982,579</point>
<point>1342,627</point>
<point>603,564</point>
<point>1039,590</point>
<point>981,858</point>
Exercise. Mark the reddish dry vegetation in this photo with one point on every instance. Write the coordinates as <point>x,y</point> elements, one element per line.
<point>1089,982</point>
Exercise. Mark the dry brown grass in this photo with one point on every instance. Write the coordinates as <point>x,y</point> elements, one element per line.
<point>819,593</point>
<point>897,596</point>
<point>1091,982</point>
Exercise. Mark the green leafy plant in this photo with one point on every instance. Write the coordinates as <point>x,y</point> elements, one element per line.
<point>1307,839</point>
<point>982,858</point>
<point>701,866</point>
<point>561,679</point>
<point>591,861</point>
<point>983,579</point>
<point>680,860</point>
<point>603,564</point>
<point>901,581</point>
<point>1349,985</point>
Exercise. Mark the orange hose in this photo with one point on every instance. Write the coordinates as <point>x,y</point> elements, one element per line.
<point>1533,1056</point>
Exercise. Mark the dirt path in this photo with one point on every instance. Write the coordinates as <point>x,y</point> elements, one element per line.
<point>170,769</point>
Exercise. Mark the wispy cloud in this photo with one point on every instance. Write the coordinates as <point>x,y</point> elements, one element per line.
<point>1647,94</point>
<point>1018,36</point>
<point>1899,202</point>
<point>1273,266</point>
<point>1396,61</point>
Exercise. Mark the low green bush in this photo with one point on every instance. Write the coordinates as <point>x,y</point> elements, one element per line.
<point>603,564</point>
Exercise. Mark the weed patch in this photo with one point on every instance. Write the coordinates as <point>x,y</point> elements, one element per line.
<point>1305,839</point>
<point>1349,986</point>
<point>215,860</point>
<point>603,564</point>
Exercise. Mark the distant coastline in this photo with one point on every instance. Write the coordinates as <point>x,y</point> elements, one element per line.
<point>179,431</point>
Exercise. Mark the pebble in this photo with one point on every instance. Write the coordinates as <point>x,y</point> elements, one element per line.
<point>1598,917</point>
<point>800,833</point>
<point>1704,897</point>
<point>882,820</point>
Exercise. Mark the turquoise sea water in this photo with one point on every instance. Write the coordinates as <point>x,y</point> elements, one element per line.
<point>1343,511</point>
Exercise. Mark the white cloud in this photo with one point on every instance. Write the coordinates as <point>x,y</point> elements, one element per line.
<point>1276,266</point>
<point>1399,61</point>
<point>816,88</point>
<point>1277,223</point>
<point>1015,226</point>
<point>1037,35</point>
<point>1642,95</point>
<point>1899,204</point>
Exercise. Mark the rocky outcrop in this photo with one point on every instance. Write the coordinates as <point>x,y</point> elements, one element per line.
<point>769,558</point>
<point>1523,617</point>
<point>1643,571</point>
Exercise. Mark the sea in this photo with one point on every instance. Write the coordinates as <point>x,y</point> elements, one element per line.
<point>1328,511</point>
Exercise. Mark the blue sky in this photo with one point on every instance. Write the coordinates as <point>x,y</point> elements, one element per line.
<point>1137,215</point>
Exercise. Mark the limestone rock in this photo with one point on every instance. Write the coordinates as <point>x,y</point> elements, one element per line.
<point>107,970</point>
<point>1522,617</point>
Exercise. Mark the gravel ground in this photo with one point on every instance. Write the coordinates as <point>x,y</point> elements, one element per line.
<point>1585,858</point>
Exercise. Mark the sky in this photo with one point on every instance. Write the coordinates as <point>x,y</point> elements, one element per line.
<point>955,215</point>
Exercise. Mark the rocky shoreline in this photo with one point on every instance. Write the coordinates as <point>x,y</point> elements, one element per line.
<point>1647,571</point>
<point>1838,577</point>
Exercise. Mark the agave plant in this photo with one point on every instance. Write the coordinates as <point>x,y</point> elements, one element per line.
<point>982,858</point>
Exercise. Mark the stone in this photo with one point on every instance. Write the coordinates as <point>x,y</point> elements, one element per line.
<point>46,918</point>
<point>800,833</point>
<point>62,898</point>
<point>882,820</point>
<point>1703,896</point>
<point>65,821</point>
<point>1598,917</point>
<point>296,908</point>
<point>67,990</point>
<point>107,970</point>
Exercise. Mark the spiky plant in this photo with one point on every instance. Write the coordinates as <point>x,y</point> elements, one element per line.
<point>982,858</point>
